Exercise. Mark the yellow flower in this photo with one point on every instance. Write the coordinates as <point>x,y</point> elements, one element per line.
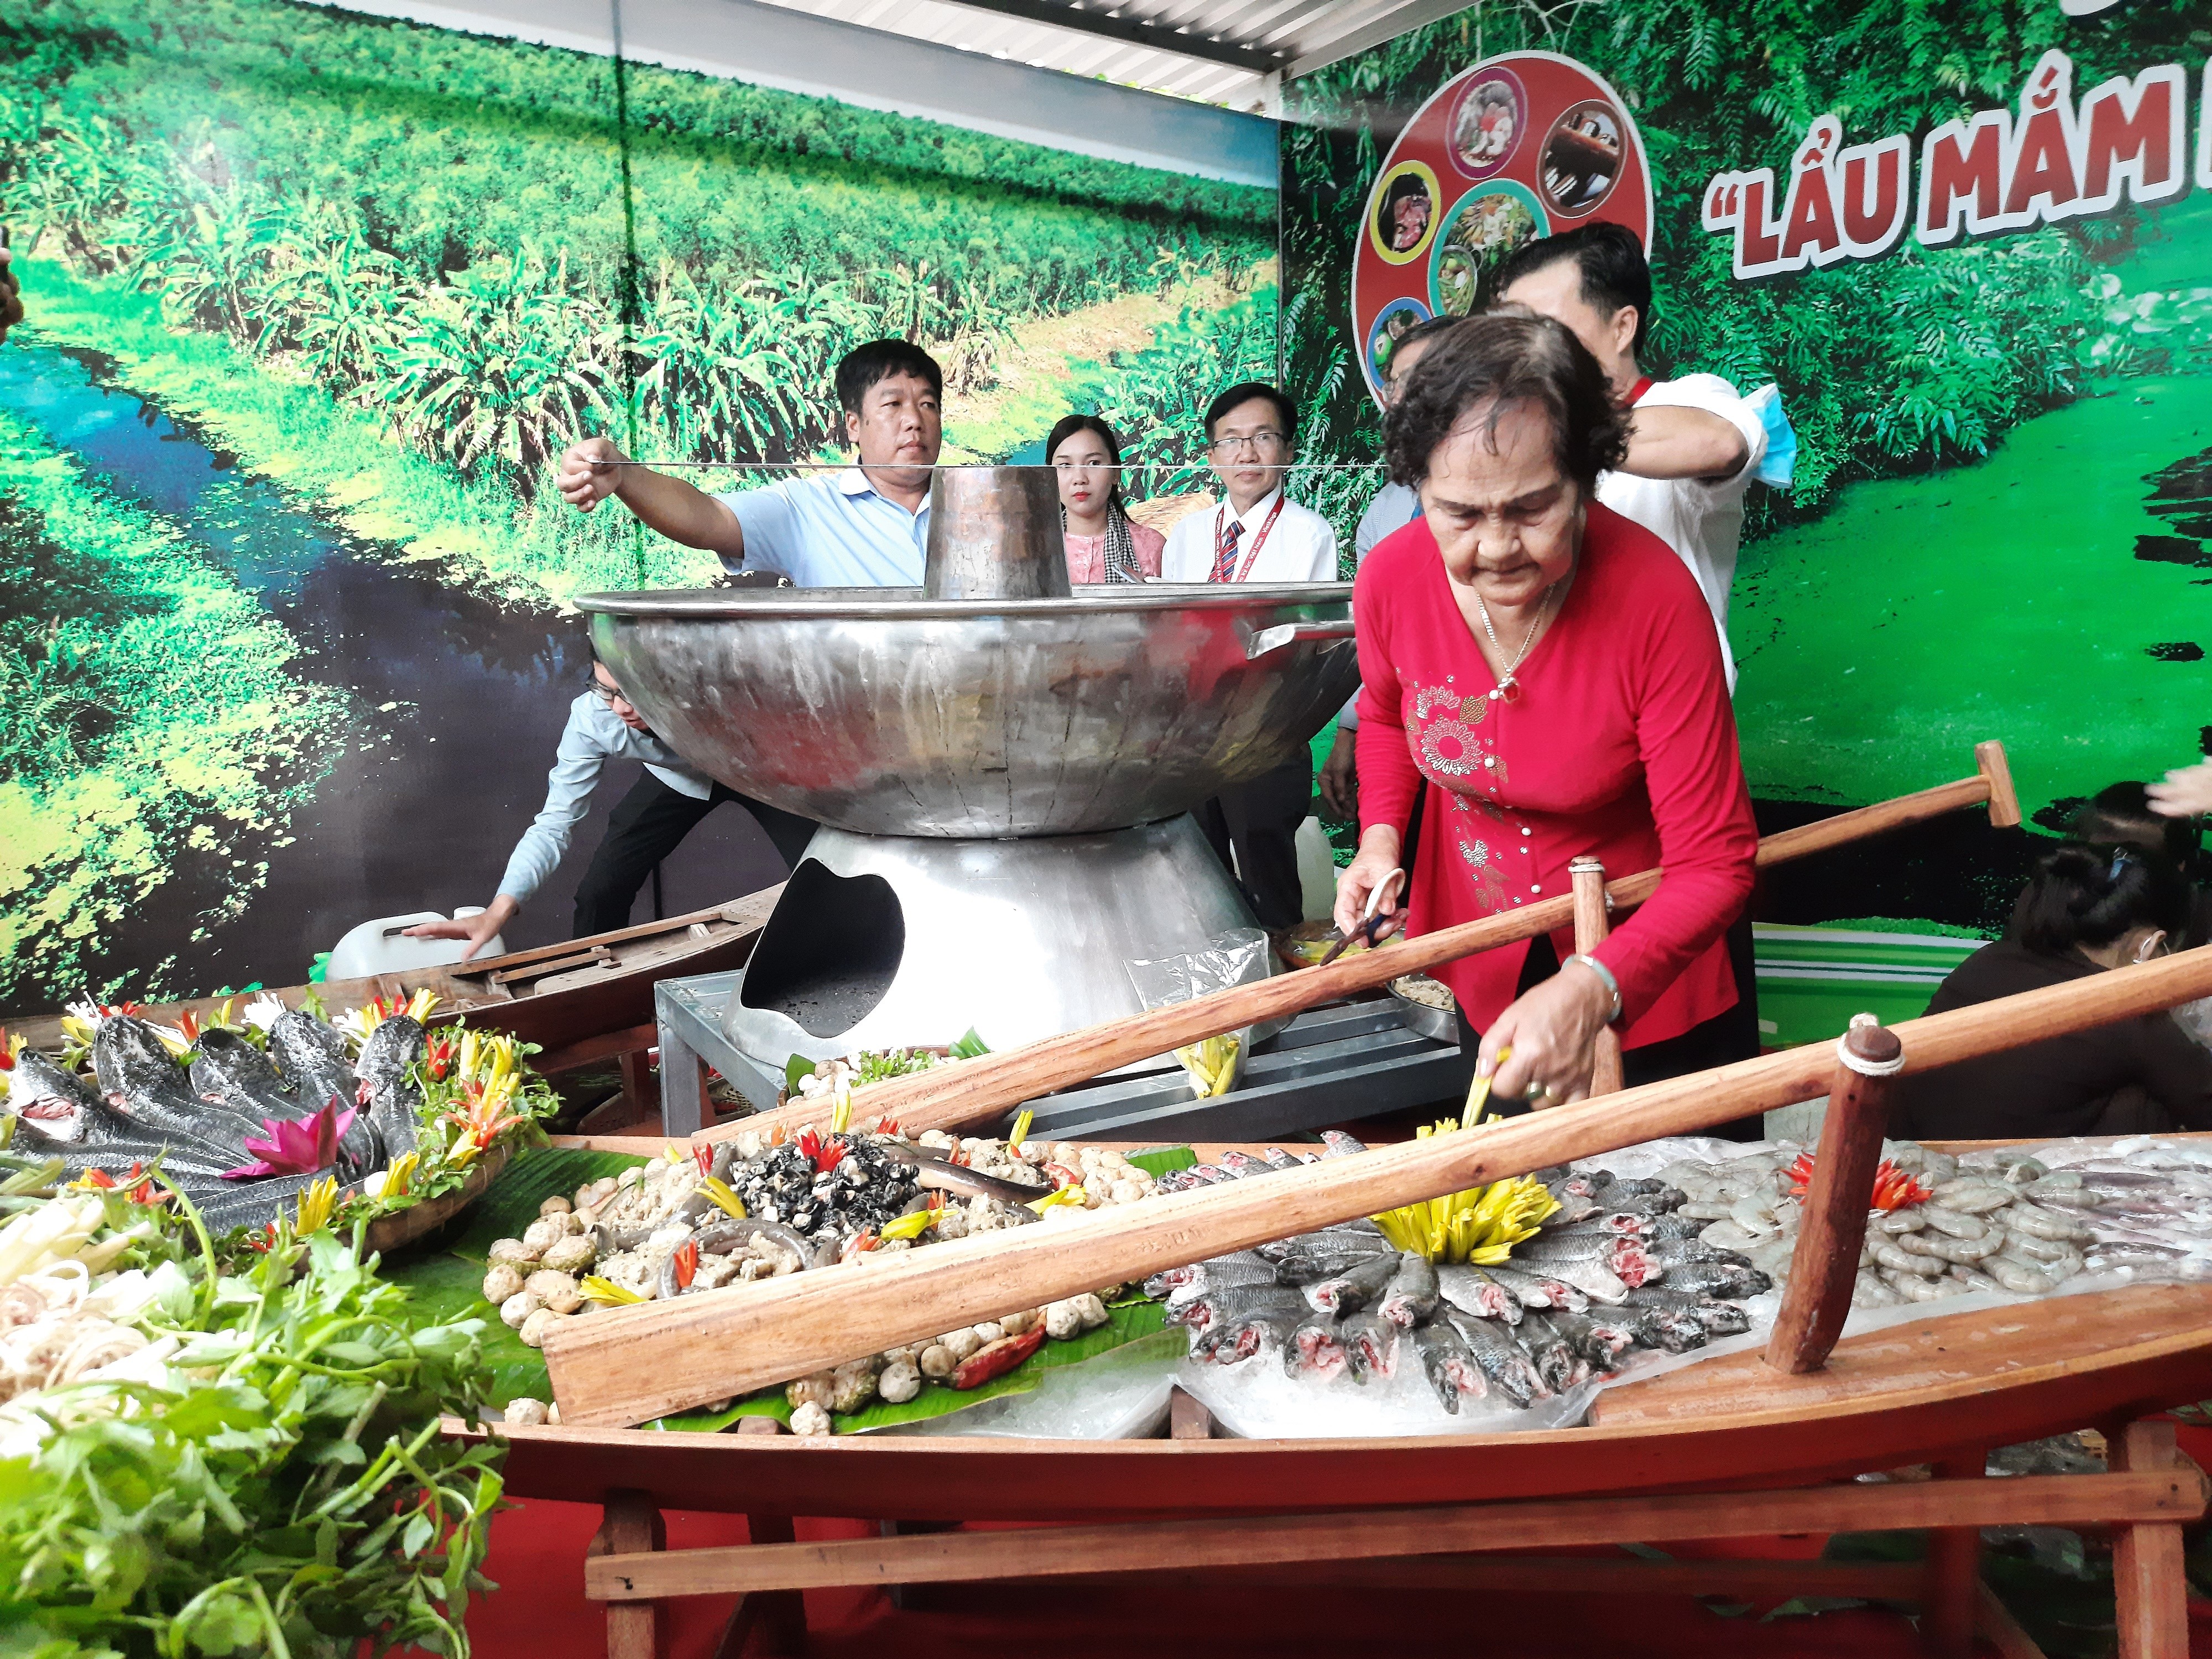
<point>603,1290</point>
<point>419,1005</point>
<point>399,1175</point>
<point>317,1201</point>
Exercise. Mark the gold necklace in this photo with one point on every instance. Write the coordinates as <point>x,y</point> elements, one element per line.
<point>1508,689</point>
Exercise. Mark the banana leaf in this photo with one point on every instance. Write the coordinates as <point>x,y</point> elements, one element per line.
<point>1157,1161</point>
<point>510,1203</point>
<point>446,1287</point>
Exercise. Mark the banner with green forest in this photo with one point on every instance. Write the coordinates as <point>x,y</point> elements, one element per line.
<point>1972,246</point>
<point>315,301</point>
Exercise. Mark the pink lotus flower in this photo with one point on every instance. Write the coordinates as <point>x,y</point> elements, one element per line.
<point>300,1148</point>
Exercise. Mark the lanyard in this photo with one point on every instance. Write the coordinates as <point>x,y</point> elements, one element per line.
<point>1635,392</point>
<point>1221,531</point>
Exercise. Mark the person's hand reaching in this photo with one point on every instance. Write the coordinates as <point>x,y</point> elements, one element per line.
<point>588,473</point>
<point>2186,792</point>
<point>478,930</point>
<point>1552,1032</point>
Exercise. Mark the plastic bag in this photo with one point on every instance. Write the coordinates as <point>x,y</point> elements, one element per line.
<point>1241,957</point>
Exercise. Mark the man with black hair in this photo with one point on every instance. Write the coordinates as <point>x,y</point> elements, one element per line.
<point>11,296</point>
<point>1256,534</point>
<point>865,526</point>
<point>664,805</point>
<point>1694,445</point>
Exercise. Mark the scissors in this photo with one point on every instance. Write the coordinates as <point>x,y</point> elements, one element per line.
<point>1374,923</point>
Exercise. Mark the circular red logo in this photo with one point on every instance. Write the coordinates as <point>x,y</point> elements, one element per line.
<point>1518,147</point>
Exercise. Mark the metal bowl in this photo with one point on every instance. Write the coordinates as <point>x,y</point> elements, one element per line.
<point>880,711</point>
<point>1437,1024</point>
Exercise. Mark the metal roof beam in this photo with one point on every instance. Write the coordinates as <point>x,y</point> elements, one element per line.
<point>1081,21</point>
<point>1320,49</point>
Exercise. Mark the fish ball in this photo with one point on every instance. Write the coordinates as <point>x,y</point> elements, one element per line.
<point>989,1331</point>
<point>1061,1321</point>
<point>572,1255</point>
<point>556,1291</point>
<point>540,1233</point>
<point>523,1412</point>
<point>519,1307</point>
<point>1125,1192</point>
<point>1088,1308</point>
<point>810,1420</point>
<point>513,1250</point>
<point>900,1382</point>
<point>853,1384</point>
<point>555,1205</point>
<point>809,1390</point>
<point>962,1343</point>
<point>1015,1323</point>
<point>937,1360</point>
<point>501,1282</point>
<point>535,1326</point>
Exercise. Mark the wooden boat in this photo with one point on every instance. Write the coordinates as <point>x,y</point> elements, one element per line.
<point>589,998</point>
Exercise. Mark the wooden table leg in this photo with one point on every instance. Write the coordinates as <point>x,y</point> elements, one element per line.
<point>631,1521</point>
<point>2147,1571</point>
<point>1954,1572</point>
<point>1186,1418</point>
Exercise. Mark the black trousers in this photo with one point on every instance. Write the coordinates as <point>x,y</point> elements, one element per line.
<point>1261,820</point>
<point>1730,1035</point>
<point>647,825</point>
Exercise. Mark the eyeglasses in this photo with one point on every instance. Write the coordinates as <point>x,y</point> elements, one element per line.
<point>609,695</point>
<point>1266,445</point>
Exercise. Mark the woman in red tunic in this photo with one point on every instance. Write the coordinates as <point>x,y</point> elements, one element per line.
<point>1550,671</point>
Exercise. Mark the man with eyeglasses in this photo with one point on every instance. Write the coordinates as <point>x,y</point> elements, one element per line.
<point>1256,534</point>
<point>665,806</point>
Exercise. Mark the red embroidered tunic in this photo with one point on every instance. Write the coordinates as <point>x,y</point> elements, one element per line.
<point>1622,746</point>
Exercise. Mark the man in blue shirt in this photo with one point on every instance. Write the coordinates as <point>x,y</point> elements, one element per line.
<point>665,806</point>
<point>862,527</point>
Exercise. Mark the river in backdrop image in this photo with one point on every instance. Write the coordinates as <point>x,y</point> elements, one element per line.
<point>454,705</point>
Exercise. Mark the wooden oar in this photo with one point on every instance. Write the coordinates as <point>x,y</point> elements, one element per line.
<point>631,1364</point>
<point>978,1092</point>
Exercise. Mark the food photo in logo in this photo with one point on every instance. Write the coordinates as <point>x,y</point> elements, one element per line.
<point>1581,157</point>
<point>1390,326</point>
<point>1404,217</point>
<point>1481,233</point>
<point>1486,121</point>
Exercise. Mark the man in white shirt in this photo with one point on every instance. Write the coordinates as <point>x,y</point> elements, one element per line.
<point>1256,534</point>
<point>1693,443</point>
<point>864,527</point>
<point>1394,507</point>
<point>647,825</point>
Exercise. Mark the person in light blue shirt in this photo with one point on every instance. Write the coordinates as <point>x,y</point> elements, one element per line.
<point>662,807</point>
<point>862,527</point>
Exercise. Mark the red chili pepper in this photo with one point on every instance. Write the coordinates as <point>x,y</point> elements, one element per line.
<point>1061,1175</point>
<point>885,1127</point>
<point>997,1358</point>
<point>703,1156</point>
<point>687,1261</point>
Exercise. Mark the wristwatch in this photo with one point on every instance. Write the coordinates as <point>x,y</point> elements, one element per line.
<point>1613,985</point>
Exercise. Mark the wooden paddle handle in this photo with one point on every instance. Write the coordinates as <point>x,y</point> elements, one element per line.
<point>1825,1266</point>
<point>979,1092</point>
<point>744,1337</point>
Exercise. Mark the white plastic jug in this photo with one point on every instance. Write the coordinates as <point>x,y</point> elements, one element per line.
<point>382,946</point>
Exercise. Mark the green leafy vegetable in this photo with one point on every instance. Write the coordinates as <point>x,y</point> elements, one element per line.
<point>796,1070</point>
<point>970,1047</point>
<point>290,1495</point>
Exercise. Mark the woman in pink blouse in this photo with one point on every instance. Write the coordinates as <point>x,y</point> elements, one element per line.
<point>1548,671</point>
<point>1104,544</point>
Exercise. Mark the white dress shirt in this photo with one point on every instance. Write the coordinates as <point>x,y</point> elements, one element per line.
<point>1702,520</point>
<point>1300,547</point>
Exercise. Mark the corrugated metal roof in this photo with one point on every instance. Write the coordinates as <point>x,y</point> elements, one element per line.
<point>1231,52</point>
